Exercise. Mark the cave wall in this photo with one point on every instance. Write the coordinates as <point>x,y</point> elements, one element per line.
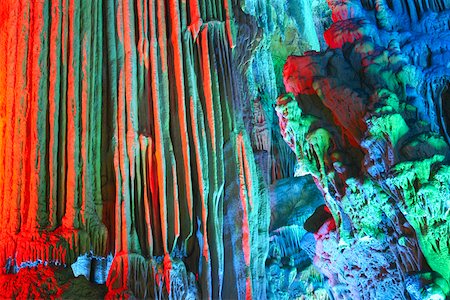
<point>120,134</point>
<point>139,144</point>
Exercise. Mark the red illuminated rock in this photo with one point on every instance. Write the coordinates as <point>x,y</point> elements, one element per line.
<point>118,135</point>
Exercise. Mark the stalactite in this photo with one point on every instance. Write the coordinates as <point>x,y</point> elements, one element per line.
<point>116,122</point>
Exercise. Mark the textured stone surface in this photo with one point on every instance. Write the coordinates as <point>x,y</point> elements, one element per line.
<point>119,134</point>
<point>140,149</point>
<point>368,122</point>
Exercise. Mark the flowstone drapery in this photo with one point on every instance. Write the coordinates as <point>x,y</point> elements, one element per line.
<point>118,134</point>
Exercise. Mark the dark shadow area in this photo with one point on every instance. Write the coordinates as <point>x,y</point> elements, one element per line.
<point>445,112</point>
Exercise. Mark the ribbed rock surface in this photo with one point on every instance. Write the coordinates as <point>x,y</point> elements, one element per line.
<point>119,133</point>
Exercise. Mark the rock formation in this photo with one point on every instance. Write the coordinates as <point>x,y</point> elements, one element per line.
<point>368,121</point>
<point>144,149</point>
<point>119,134</point>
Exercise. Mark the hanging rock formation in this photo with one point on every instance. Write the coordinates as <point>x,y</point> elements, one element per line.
<point>119,134</point>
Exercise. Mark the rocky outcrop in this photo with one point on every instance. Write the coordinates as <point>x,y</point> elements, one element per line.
<point>368,122</point>
<point>289,272</point>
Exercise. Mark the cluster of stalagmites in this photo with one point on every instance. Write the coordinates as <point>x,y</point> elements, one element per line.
<point>368,119</point>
